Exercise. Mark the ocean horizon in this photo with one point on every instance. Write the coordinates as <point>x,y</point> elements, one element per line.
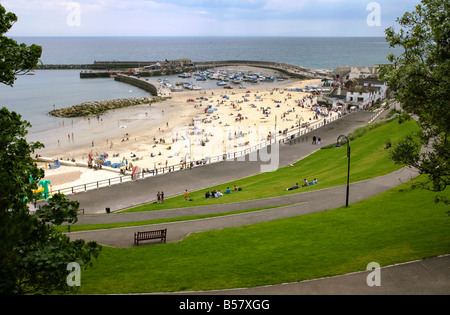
<point>309,52</point>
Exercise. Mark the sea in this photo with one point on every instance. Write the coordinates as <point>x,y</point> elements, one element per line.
<point>35,94</point>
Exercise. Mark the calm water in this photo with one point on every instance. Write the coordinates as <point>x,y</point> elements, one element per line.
<point>310,52</point>
<point>33,96</point>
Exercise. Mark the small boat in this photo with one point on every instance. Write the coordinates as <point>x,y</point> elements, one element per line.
<point>184,75</point>
<point>221,83</point>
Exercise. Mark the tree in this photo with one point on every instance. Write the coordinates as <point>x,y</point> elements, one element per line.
<point>420,81</point>
<point>14,58</point>
<point>33,254</point>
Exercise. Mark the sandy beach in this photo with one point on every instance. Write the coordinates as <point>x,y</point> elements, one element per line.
<point>190,126</point>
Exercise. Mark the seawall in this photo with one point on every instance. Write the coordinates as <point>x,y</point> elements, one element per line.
<point>144,84</point>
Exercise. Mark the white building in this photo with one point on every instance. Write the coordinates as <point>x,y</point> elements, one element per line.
<point>361,92</point>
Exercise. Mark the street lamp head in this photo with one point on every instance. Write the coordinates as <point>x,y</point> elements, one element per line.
<point>338,141</point>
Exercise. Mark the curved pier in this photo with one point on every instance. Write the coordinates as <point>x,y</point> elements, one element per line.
<point>145,84</point>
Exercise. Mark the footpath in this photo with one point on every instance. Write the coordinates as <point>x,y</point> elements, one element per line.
<point>298,204</point>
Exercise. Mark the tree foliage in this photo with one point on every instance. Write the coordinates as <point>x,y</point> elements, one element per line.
<point>33,254</point>
<point>14,58</point>
<point>420,81</point>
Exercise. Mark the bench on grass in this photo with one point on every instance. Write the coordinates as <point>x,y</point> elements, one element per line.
<point>150,235</point>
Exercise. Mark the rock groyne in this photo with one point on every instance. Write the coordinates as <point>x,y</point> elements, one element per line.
<point>94,108</point>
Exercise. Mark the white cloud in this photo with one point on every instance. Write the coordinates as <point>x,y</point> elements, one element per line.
<point>199,17</point>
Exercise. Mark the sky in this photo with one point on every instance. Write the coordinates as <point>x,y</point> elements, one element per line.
<point>205,17</point>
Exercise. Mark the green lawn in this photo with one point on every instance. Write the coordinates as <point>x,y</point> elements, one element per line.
<point>396,226</point>
<point>329,166</point>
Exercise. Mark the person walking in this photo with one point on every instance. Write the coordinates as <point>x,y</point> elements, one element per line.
<point>158,195</point>
<point>162,196</point>
<point>314,140</point>
<point>186,194</point>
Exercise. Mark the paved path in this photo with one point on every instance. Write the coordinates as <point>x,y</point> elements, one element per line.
<point>422,277</point>
<point>299,204</point>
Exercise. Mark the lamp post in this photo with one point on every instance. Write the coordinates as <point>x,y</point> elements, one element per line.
<point>348,156</point>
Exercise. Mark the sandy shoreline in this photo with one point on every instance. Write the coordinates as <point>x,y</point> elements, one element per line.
<point>176,130</point>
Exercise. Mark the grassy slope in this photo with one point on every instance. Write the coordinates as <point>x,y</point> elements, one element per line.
<point>329,166</point>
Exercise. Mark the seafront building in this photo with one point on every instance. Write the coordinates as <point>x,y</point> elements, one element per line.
<point>356,86</point>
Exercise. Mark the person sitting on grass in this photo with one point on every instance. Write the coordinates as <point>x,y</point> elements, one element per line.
<point>293,187</point>
<point>228,190</point>
<point>207,195</point>
<point>305,183</point>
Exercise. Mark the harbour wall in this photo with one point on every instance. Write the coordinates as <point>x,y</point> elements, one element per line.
<point>111,68</point>
<point>144,84</point>
<point>115,65</point>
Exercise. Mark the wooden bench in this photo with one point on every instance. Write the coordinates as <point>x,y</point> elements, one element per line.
<point>150,235</point>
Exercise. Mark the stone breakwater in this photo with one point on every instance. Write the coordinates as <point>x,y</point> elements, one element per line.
<point>94,108</point>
